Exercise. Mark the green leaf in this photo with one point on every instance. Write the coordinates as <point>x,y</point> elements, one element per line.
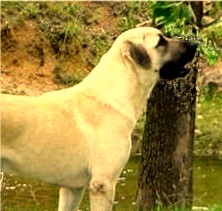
<point>210,54</point>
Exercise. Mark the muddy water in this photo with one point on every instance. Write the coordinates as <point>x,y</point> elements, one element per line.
<point>208,181</point>
<point>20,194</point>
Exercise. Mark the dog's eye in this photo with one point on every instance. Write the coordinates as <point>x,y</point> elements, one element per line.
<point>162,41</point>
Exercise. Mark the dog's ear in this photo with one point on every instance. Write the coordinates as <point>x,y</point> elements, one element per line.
<point>139,54</point>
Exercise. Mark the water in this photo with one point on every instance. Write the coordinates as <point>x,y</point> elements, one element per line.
<point>20,194</point>
<point>207,181</point>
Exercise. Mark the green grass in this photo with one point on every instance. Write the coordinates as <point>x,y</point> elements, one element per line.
<point>208,124</point>
<point>216,207</point>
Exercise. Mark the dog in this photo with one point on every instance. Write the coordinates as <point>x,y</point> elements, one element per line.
<point>80,137</point>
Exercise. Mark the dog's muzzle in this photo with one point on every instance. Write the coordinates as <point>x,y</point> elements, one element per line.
<point>175,68</point>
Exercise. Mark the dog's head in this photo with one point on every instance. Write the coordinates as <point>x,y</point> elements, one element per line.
<point>149,49</point>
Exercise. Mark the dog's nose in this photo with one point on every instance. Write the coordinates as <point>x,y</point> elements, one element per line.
<point>190,48</point>
<point>190,45</point>
<point>193,45</point>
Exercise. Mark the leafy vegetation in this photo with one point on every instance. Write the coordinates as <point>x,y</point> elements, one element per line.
<point>130,17</point>
<point>175,14</point>
<point>178,19</point>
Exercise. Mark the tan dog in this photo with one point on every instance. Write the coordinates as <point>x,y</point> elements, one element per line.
<point>80,136</point>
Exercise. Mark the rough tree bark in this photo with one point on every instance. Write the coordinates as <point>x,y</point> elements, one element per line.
<point>166,167</point>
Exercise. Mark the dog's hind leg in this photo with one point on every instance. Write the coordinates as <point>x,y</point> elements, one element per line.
<point>101,195</point>
<point>69,199</point>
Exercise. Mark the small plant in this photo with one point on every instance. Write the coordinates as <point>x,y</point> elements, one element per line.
<point>69,30</point>
<point>67,78</point>
<point>130,17</point>
<point>31,10</point>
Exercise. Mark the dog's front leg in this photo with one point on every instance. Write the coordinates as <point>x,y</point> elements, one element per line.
<point>102,193</point>
<point>69,199</point>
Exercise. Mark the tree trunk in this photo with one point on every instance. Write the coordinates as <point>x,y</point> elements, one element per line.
<point>165,177</point>
<point>197,7</point>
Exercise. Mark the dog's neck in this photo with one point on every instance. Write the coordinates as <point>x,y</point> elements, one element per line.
<point>120,87</point>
